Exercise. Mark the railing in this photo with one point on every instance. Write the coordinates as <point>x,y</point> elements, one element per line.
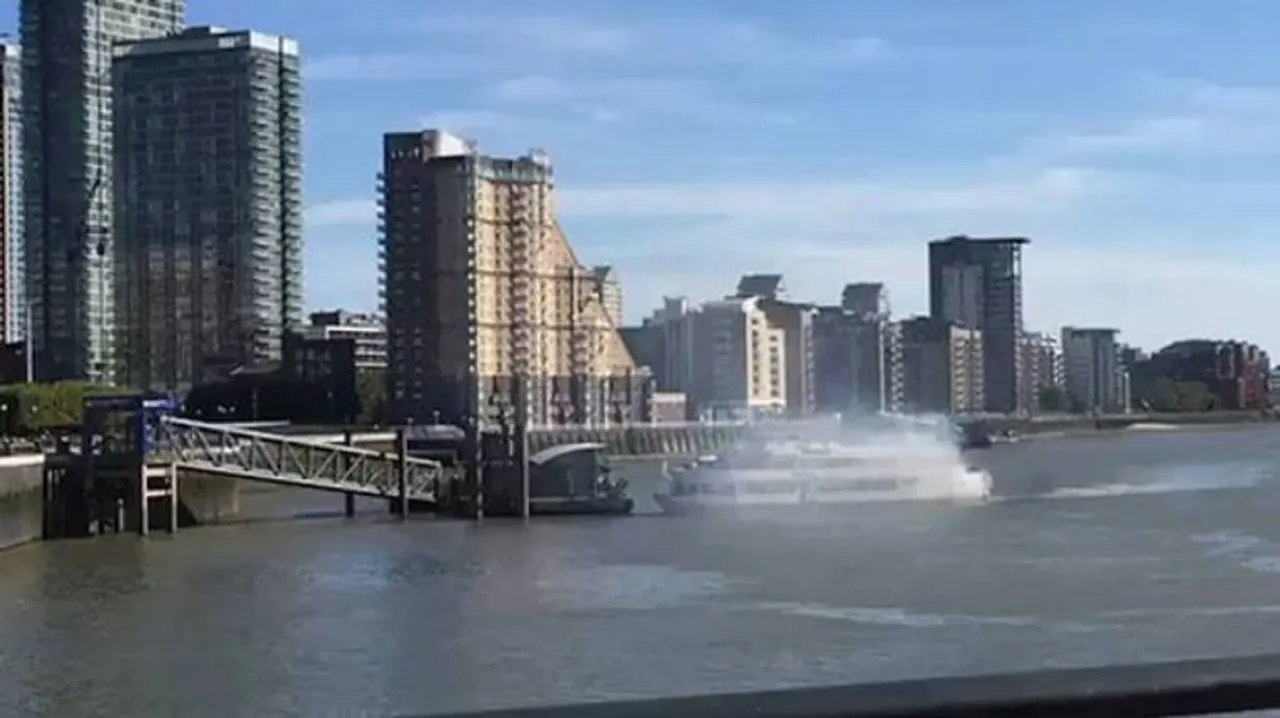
<point>1184,688</point>
<point>296,461</point>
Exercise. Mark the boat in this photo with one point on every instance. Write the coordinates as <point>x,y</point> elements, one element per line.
<point>796,473</point>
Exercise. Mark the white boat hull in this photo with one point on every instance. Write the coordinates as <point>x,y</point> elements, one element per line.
<point>809,490</point>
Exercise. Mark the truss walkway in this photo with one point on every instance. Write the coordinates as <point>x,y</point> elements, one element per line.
<point>244,453</point>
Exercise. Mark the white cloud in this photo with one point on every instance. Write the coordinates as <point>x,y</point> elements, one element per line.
<point>478,44</point>
<point>1153,296</point>
<point>1179,116</point>
<point>622,98</point>
<point>1081,267</point>
<point>393,66</point>
<point>826,201</point>
<point>1104,243</point>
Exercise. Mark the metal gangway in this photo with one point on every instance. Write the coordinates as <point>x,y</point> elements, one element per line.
<point>245,453</point>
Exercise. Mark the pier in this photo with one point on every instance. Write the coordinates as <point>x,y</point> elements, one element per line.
<point>139,467</point>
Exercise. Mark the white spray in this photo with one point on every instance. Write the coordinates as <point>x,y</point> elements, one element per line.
<point>921,448</point>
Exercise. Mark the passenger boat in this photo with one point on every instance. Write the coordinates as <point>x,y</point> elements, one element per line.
<point>796,473</point>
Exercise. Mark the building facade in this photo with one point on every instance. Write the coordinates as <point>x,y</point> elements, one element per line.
<point>866,299</point>
<point>942,367</point>
<point>1236,376</point>
<point>1042,367</point>
<point>367,331</point>
<point>1096,380</point>
<point>857,362</point>
<point>739,361</point>
<point>795,320</point>
<point>12,291</point>
<point>977,283</point>
<point>609,289</point>
<point>208,203</point>
<point>484,298</point>
<point>673,325</point>
<point>664,345</point>
<point>67,199</point>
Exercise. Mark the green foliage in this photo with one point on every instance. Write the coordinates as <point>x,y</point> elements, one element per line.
<point>371,392</point>
<point>32,407</point>
<point>1165,395</point>
<point>1053,399</point>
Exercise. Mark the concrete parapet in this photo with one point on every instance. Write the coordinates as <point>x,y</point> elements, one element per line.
<point>21,499</point>
<point>1068,422</point>
<point>649,440</point>
<point>206,498</point>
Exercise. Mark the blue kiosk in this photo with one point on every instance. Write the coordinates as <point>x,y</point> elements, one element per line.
<point>122,423</point>
<point>117,431</point>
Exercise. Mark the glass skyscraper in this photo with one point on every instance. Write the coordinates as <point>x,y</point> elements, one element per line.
<point>208,204</point>
<point>67,162</point>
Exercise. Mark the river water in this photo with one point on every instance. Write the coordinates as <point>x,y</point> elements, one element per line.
<point>1106,549</point>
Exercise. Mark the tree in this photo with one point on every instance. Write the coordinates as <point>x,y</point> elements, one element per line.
<point>371,391</point>
<point>1053,399</point>
<point>1194,396</point>
<point>32,407</point>
<point>1162,395</point>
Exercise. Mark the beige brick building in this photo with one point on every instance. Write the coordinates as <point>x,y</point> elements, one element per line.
<point>739,361</point>
<point>480,286</point>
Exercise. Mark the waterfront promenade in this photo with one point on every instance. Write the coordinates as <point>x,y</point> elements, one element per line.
<point>1117,548</point>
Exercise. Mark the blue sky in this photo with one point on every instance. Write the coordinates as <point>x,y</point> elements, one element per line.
<point>1135,142</point>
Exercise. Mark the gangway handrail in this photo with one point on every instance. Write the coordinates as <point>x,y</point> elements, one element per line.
<point>281,459</point>
<point>1179,688</point>
<point>299,440</point>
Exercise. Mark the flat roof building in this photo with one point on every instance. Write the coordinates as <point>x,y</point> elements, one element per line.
<point>208,203</point>
<point>977,283</point>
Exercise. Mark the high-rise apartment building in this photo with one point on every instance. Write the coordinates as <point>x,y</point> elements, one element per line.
<point>208,203</point>
<point>866,299</point>
<point>664,343</point>
<point>977,283</point>
<point>858,352</point>
<point>857,362</point>
<point>739,361</point>
<point>1042,367</point>
<point>12,322</point>
<point>942,367</point>
<point>67,48</point>
<point>1096,380</point>
<point>795,320</point>
<point>481,288</point>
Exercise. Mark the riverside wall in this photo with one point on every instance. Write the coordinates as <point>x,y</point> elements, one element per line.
<point>203,499</point>
<point>688,440</point>
<point>1048,424</point>
<point>21,499</point>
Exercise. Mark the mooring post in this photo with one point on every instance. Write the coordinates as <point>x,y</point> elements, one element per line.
<point>522,442</point>
<point>402,470</point>
<point>172,471</point>
<point>144,503</point>
<point>477,458</point>
<point>348,498</point>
